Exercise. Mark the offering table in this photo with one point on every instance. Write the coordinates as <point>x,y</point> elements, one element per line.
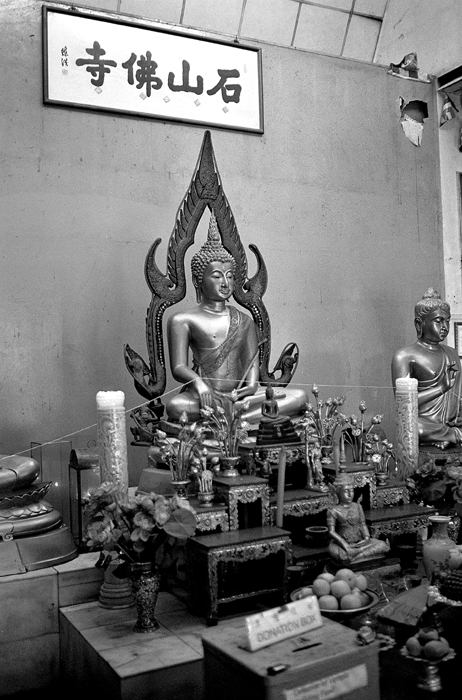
<point>245,490</point>
<point>398,520</point>
<point>263,552</point>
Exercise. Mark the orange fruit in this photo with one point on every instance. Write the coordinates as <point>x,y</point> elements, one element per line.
<point>361,582</point>
<point>339,588</point>
<point>427,634</point>
<point>436,649</point>
<point>350,601</point>
<point>346,575</point>
<point>413,646</point>
<point>328,602</point>
<point>327,576</point>
<point>306,591</point>
<point>364,598</point>
<point>320,587</point>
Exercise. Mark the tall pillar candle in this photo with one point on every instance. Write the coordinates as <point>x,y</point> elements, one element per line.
<point>112,439</point>
<point>281,486</point>
<point>407,447</point>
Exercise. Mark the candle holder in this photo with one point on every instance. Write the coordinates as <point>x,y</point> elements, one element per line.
<point>84,473</point>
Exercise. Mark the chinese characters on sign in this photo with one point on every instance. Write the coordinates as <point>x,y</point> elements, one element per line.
<point>95,63</point>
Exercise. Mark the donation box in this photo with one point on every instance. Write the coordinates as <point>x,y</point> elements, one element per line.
<point>322,664</point>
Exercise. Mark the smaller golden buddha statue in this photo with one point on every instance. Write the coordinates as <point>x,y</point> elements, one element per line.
<point>350,538</point>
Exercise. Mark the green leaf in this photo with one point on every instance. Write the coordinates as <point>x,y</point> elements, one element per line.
<point>182,524</point>
<point>435,491</point>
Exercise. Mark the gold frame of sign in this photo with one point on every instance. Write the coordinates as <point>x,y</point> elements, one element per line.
<point>205,191</point>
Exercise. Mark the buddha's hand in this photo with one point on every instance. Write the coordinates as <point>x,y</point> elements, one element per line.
<point>448,379</point>
<point>204,392</point>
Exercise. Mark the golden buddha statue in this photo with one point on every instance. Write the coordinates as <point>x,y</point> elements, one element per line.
<point>350,538</point>
<point>230,348</point>
<point>223,341</point>
<point>438,372</point>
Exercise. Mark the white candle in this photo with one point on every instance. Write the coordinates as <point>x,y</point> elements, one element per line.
<point>281,485</point>
<point>112,439</point>
<point>407,447</point>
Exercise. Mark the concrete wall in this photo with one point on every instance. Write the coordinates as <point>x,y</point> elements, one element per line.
<point>344,209</point>
<point>431,29</point>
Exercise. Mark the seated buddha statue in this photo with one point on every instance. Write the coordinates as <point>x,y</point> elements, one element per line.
<point>438,372</point>
<point>274,429</point>
<point>223,341</point>
<point>350,541</point>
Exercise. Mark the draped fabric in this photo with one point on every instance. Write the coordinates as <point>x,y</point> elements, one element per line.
<point>440,417</point>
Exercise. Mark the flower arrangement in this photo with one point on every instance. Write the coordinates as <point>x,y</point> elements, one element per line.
<point>226,423</point>
<point>322,425</point>
<point>144,529</point>
<point>358,435</point>
<point>379,452</point>
<point>436,482</point>
<point>200,469</point>
<point>182,452</point>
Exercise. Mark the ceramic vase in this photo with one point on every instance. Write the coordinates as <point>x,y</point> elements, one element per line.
<point>454,527</point>
<point>115,593</point>
<point>229,466</point>
<point>181,488</point>
<point>205,498</point>
<point>436,548</point>
<point>381,478</point>
<point>146,587</point>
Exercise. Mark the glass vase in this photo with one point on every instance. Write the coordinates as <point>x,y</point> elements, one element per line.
<point>436,548</point>
<point>146,587</point>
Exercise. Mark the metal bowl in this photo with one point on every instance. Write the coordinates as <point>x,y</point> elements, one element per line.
<point>341,614</point>
<point>317,535</point>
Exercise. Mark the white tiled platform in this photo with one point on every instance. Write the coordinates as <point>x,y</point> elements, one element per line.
<point>29,620</point>
<point>101,655</point>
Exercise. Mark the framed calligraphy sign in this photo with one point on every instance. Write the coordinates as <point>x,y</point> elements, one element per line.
<point>103,63</point>
<point>458,337</point>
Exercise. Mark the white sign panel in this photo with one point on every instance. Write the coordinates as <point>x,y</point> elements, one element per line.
<point>102,63</point>
<point>332,686</point>
<point>277,624</point>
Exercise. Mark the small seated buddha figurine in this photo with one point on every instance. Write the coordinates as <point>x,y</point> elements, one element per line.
<point>350,538</point>
<point>274,429</point>
<point>223,341</point>
<point>438,372</point>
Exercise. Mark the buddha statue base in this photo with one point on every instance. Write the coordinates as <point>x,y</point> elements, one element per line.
<point>365,565</point>
<point>18,556</point>
<point>32,533</point>
<point>276,432</point>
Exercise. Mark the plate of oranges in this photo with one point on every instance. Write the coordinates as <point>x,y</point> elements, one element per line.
<point>341,594</point>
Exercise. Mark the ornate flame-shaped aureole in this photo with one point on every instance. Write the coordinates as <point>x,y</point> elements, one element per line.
<point>205,190</point>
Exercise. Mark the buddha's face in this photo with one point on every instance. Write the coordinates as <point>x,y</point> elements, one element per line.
<point>345,493</point>
<point>435,326</point>
<point>217,281</point>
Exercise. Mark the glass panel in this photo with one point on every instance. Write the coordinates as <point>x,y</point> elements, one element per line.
<point>341,4</point>
<point>321,30</point>
<point>371,7</point>
<point>54,460</point>
<point>362,38</point>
